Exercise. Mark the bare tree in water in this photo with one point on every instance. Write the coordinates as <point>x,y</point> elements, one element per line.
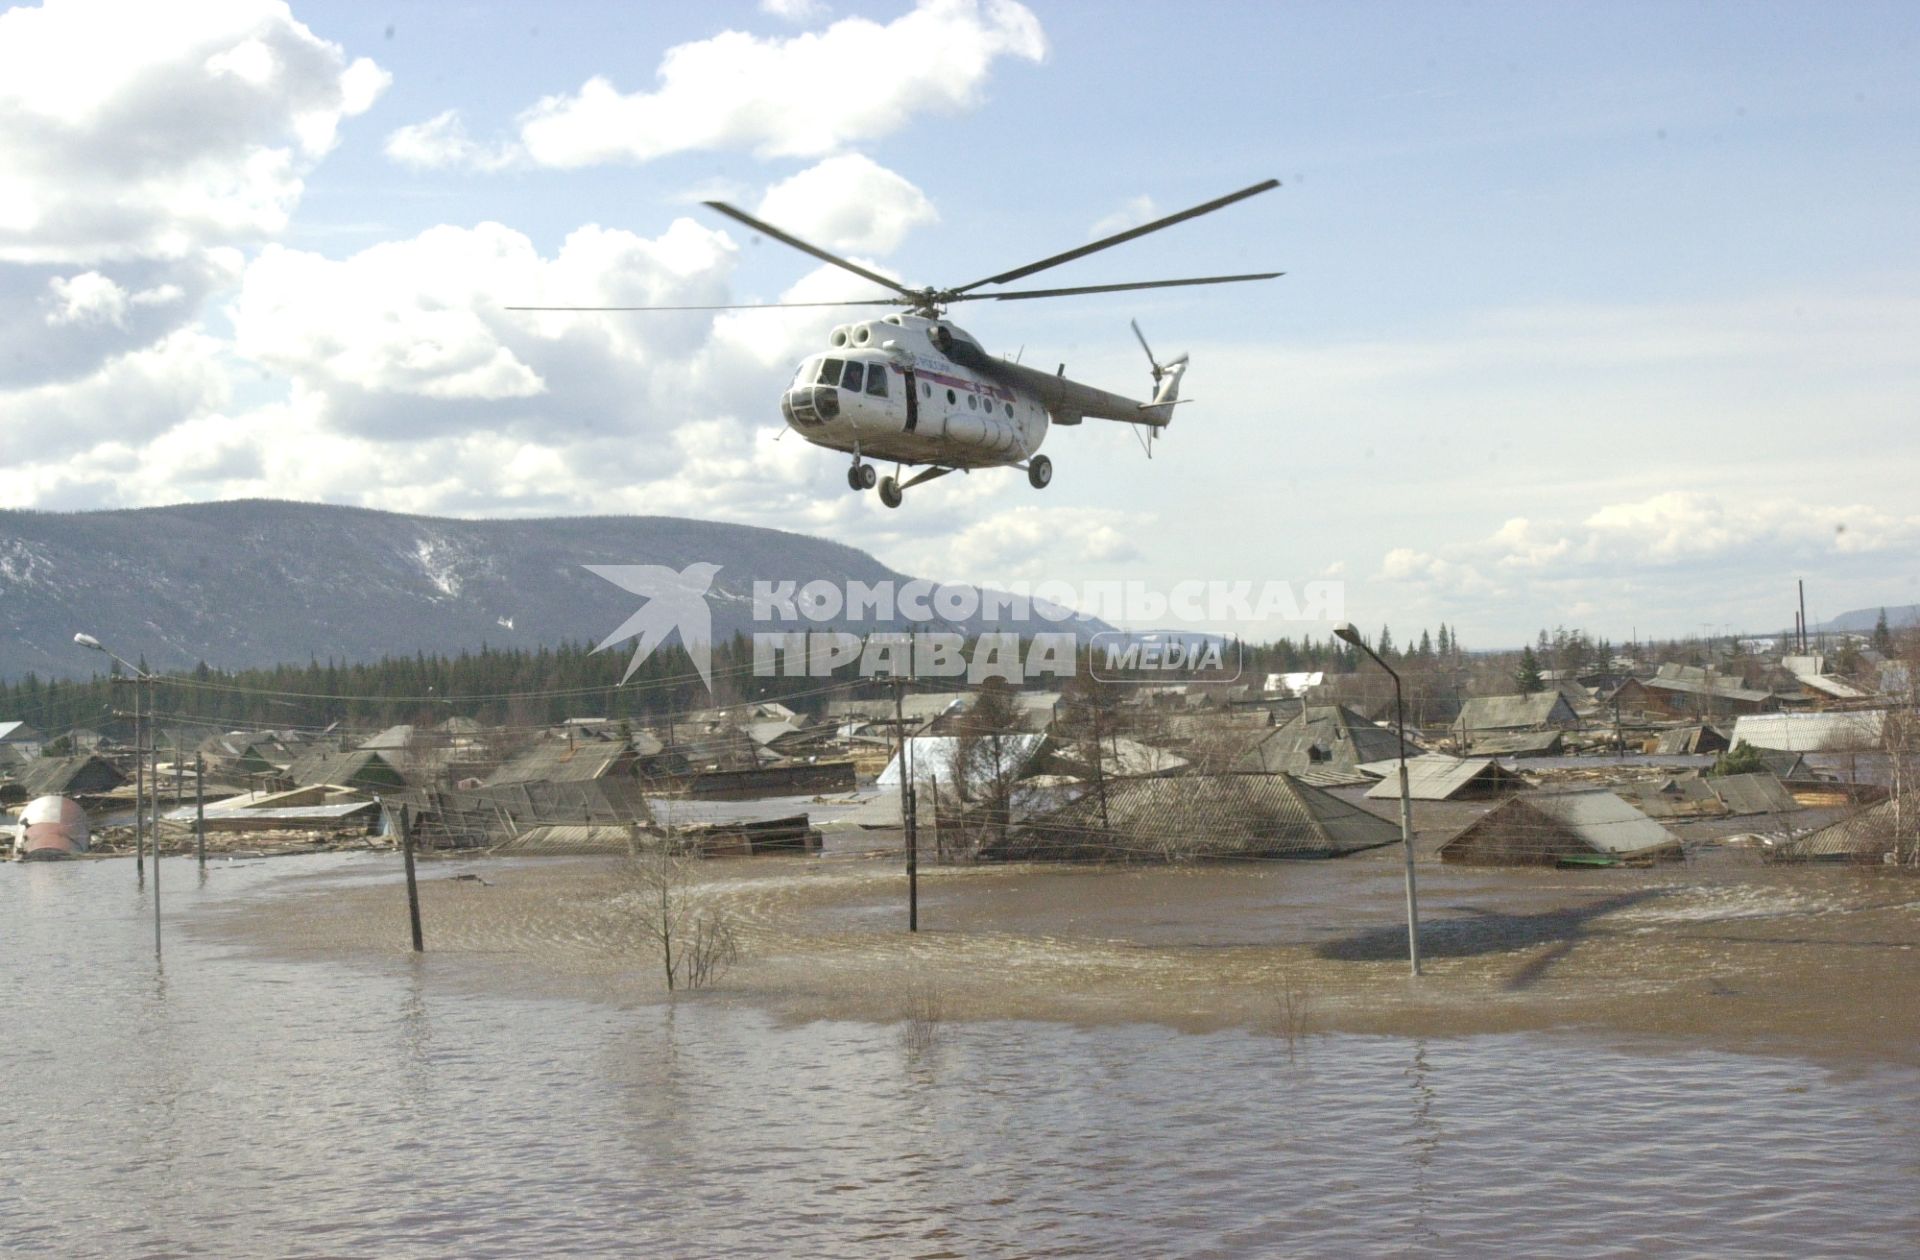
<point>696,940</point>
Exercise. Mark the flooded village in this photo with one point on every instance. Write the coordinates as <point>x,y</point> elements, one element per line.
<point>1571,826</point>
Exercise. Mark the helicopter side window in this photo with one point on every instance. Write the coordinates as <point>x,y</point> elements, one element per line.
<point>951,399</point>
<point>1009,411</point>
<point>829,372</point>
<point>877,380</point>
<point>926,390</point>
<point>973,404</point>
<point>851,380</point>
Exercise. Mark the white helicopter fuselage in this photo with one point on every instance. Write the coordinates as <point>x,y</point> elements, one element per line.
<point>884,391</point>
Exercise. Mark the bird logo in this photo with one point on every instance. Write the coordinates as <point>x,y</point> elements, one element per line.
<point>675,601</point>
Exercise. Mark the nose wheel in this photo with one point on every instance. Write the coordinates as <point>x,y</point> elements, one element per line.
<point>1039,472</point>
<point>862,476</point>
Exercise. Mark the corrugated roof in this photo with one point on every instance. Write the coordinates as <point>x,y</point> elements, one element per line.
<point>1438,777</point>
<point>1199,816</point>
<point>1811,732</point>
<point>1865,836</point>
<point>1753,794</point>
<point>934,757</point>
<point>1542,826</point>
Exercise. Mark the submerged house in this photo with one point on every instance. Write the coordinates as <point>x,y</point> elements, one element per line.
<point>1593,828</point>
<point>1199,816</point>
<point>1321,738</point>
<point>84,775</point>
<point>1875,835</point>
<point>1438,777</point>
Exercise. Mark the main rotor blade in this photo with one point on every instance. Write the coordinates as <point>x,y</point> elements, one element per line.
<point>767,229</point>
<point>1120,237</point>
<point>729,306</point>
<point>1107,288</point>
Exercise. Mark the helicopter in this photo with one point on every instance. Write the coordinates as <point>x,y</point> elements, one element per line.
<point>913,389</point>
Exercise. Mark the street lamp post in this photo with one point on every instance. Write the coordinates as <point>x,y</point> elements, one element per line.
<point>142,680</point>
<point>1346,631</point>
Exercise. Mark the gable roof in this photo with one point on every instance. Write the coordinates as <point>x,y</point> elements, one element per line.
<point>1438,777</point>
<point>557,761</point>
<point>1515,712</point>
<point>1864,836</point>
<point>1199,816</point>
<point>68,776</point>
<point>1542,827</point>
<point>1323,737</point>
<point>362,767</point>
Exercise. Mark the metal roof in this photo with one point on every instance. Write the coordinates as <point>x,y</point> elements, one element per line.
<point>1200,816</point>
<point>1753,794</point>
<point>1438,777</point>
<point>1542,825</point>
<point>1864,836</point>
<point>1811,732</point>
<point>934,756</point>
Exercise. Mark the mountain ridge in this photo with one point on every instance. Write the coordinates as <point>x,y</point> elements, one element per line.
<point>258,582</point>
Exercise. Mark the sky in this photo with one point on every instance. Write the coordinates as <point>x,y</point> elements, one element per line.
<point>1604,316</point>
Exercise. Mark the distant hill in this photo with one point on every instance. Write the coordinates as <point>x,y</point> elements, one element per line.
<point>259,582</point>
<point>1862,620</point>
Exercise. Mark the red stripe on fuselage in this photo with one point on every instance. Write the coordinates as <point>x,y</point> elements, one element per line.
<point>961,382</point>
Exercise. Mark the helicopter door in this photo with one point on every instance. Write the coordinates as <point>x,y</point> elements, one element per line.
<point>913,402</point>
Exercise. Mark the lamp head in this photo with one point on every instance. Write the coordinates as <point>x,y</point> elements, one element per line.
<point>88,641</point>
<point>1346,631</point>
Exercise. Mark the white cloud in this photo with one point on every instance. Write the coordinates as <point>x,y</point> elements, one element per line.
<point>1668,554</point>
<point>1034,543</point>
<point>803,95</point>
<point>129,399</point>
<point>1136,211</point>
<point>442,142</point>
<point>848,203</point>
<point>137,130</point>
<point>794,10</point>
<point>88,298</point>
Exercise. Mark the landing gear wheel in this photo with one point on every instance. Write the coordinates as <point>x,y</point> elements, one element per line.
<point>890,492</point>
<point>1039,472</point>
<point>861,476</point>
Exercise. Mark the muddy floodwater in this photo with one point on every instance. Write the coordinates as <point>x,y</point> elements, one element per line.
<point>1221,1061</point>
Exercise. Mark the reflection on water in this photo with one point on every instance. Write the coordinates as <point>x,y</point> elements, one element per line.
<point>234,1106</point>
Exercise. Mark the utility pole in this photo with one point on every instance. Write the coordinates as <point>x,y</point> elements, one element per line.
<point>200,810</point>
<point>139,791</point>
<point>153,741</point>
<point>908,821</point>
<point>413,886</point>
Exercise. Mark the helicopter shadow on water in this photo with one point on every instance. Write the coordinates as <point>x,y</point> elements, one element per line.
<point>1478,932</point>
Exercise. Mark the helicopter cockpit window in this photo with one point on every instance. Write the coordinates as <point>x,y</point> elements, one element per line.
<point>829,372</point>
<point>851,380</point>
<point>877,380</point>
